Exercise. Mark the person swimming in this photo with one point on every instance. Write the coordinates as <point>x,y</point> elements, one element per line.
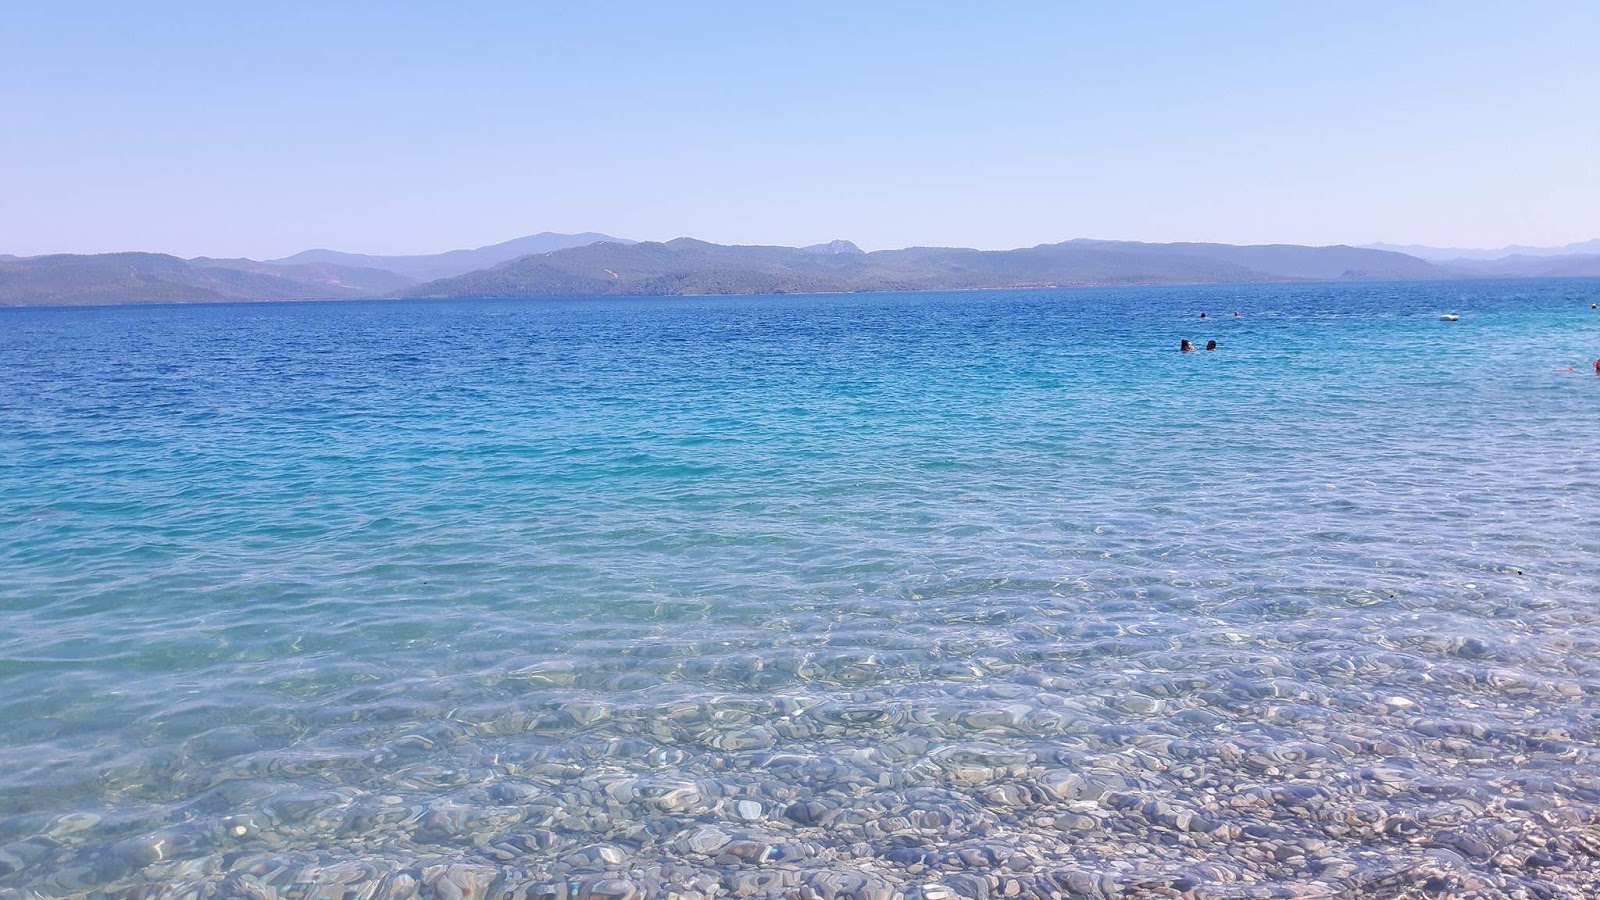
<point>1236,314</point>
<point>1185,346</point>
<point>1211,345</point>
<point>1202,315</point>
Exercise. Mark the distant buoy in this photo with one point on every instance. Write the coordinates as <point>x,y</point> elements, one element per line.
<point>1449,317</point>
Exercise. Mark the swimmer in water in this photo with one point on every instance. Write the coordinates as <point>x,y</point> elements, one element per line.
<point>1211,345</point>
<point>1185,347</point>
<point>1236,315</point>
<point>1202,315</point>
<point>1597,367</point>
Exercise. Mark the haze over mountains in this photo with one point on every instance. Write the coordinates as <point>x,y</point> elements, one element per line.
<point>686,266</point>
<point>72,279</point>
<point>1581,259</point>
<point>454,262</point>
<point>1458,254</point>
<point>591,264</point>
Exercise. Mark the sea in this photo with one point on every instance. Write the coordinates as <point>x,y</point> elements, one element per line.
<point>848,597</point>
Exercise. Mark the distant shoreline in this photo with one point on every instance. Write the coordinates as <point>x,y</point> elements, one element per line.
<point>582,267</point>
<point>125,304</point>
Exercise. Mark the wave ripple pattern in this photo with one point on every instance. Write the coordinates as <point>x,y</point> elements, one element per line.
<point>837,598</point>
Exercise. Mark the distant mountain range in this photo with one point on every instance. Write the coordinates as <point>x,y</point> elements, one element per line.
<point>548,264</point>
<point>1581,259</point>
<point>1586,266</point>
<point>1460,254</point>
<point>67,280</point>
<point>453,262</point>
<point>686,266</point>
<point>74,280</point>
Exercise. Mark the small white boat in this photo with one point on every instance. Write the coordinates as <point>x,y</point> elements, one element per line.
<point>1449,317</point>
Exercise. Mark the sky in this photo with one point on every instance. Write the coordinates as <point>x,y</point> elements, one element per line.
<point>262,129</point>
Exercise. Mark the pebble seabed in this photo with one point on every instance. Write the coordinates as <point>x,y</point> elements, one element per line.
<point>1041,753</point>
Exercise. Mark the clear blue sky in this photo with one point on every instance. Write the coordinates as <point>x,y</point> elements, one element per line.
<point>261,129</point>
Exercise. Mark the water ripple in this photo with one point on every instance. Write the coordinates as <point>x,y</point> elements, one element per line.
<point>923,596</point>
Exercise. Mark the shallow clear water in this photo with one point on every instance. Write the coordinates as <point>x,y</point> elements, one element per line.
<point>978,594</point>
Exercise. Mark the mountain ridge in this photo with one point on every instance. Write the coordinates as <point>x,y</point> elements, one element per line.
<point>140,277</point>
<point>1526,266</point>
<point>1465,254</point>
<point>689,266</point>
<point>134,277</point>
<point>430,266</point>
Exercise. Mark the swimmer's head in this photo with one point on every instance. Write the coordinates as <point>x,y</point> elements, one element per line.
<point>1211,345</point>
<point>1184,347</point>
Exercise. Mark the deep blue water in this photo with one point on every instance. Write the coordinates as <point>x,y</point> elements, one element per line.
<point>924,594</point>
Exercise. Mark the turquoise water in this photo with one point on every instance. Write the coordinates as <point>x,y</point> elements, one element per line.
<point>935,595</point>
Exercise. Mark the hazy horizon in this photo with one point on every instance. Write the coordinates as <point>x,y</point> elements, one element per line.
<point>1381,245</point>
<point>224,132</point>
